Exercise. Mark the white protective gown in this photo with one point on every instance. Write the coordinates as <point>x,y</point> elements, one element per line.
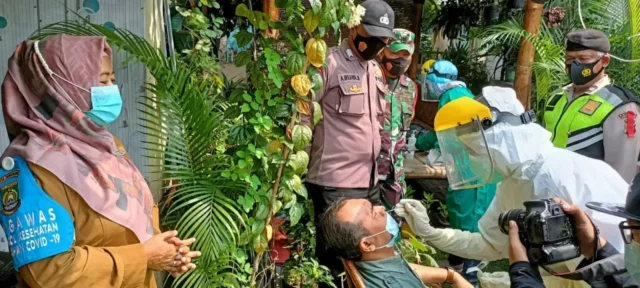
<point>533,169</point>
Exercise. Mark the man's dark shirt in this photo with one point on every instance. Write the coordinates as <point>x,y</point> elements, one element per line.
<point>525,275</point>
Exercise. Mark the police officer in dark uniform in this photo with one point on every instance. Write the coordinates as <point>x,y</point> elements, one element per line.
<point>592,116</point>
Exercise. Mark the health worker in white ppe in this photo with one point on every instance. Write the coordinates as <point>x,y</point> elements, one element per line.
<point>493,139</point>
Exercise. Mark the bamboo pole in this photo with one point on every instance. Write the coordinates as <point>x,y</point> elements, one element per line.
<point>418,5</point>
<point>522,85</point>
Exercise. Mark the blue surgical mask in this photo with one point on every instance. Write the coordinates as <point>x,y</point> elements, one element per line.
<point>106,104</point>
<point>632,259</point>
<point>392,228</point>
<point>106,101</point>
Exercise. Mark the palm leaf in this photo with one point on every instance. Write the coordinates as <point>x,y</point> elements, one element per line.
<point>182,122</point>
<point>548,67</point>
<point>220,274</point>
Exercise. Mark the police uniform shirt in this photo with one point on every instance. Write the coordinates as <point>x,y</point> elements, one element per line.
<point>620,139</point>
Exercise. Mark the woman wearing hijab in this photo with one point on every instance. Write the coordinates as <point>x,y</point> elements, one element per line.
<point>76,211</point>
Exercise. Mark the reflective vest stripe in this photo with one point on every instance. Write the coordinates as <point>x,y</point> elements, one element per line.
<point>585,139</point>
<point>583,135</point>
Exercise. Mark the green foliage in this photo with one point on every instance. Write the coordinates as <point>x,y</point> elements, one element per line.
<point>429,13</point>
<point>548,65</point>
<point>617,18</point>
<point>268,137</point>
<point>195,34</point>
<point>307,273</point>
<point>184,123</point>
<point>471,70</point>
<point>430,199</point>
<point>416,251</point>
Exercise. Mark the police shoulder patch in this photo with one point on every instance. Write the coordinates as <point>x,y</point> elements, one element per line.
<point>590,107</point>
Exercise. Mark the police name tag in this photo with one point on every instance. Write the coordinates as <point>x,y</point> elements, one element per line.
<point>36,226</point>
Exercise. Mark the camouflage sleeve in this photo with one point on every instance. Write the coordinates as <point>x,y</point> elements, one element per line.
<point>415,99</point>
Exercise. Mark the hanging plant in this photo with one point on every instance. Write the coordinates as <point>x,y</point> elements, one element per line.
<point>491,14</point>
<point>516,4</point>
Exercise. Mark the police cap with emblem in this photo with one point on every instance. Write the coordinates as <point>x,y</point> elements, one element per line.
<point>378,19</point>
<point>629,210</point>
<point>588,39</point>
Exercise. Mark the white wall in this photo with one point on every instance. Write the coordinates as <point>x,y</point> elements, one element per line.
<point>24,17</point>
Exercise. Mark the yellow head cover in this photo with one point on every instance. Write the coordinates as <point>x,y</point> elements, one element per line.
<point>459,112</point>
<point>427,66</point>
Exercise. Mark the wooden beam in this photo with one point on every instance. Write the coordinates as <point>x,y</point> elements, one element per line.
<point>522,85</point>
<point>418,5</point>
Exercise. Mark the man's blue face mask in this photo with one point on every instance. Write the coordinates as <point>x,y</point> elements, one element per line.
<point>392,228</point>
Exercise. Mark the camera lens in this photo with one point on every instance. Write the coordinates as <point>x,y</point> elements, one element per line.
<point>510,215</point>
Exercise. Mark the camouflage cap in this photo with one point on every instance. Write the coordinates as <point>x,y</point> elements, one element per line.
<point>404,41</point>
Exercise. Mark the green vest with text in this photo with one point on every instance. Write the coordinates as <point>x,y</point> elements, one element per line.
<point>577,125</point>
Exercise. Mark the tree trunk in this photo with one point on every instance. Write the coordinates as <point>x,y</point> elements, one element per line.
<point>532,18</point>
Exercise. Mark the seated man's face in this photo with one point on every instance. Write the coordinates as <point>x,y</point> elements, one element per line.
<point>372,218</point>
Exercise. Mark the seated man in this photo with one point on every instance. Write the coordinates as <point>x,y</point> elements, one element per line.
<point>356,230</point>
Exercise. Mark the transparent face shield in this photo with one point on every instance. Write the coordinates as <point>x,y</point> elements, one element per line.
<point>466,156</point>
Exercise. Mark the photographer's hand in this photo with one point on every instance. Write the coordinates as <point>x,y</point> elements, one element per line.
<point>585,230</point>
<point>517,252</point>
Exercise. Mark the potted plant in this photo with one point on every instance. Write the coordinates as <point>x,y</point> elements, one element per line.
<point>516,4</point>
<point>491,14</point>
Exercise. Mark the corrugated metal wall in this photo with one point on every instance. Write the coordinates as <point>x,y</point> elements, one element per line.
<point>21,18</point>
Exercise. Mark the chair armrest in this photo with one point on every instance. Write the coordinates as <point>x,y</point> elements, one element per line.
<point>353,276</point>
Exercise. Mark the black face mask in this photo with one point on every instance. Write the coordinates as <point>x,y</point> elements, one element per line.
<point>374,45</point>
<point>583,73</point>
<point>398,65</point>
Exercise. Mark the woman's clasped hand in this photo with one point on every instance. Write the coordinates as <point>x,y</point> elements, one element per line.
<point>167,252</point>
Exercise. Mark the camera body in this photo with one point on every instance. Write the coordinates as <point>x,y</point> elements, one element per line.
<point>545,230</point>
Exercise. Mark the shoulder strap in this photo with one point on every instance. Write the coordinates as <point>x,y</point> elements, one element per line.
<point>628,93</point>
<point>553,100</point>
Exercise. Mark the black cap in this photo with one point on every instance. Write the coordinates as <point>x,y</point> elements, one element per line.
<point>588,39</point>
<point>629,210</point>
<point>378,19</point>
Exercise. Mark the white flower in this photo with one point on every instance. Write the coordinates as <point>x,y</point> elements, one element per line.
<point>356,15</point>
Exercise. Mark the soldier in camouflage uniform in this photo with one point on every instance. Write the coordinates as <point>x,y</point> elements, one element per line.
<point>400,95</point>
